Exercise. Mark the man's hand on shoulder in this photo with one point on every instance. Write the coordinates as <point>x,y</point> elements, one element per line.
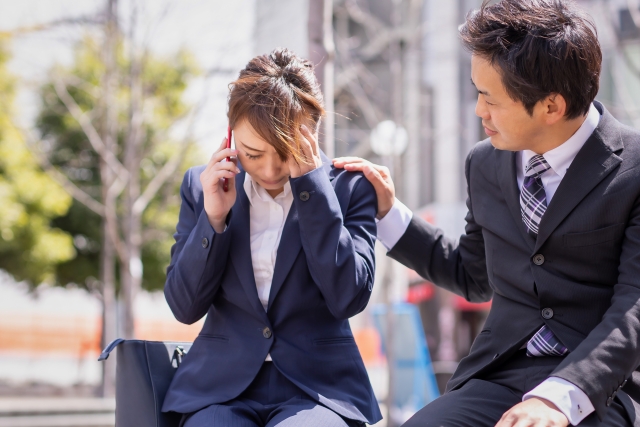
<point>533,412</point>
<point>379,177</point>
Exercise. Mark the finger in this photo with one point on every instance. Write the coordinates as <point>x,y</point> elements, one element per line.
<point>230,166</point>
<point>222,146</point>
<point>311,139</point>
<point>355,167</point>
<point>213,160</point>
<point>372,174</point>
<point>220,174</point>
<point>340,161</point>
<point>305,146</point>
<point>223,154</point>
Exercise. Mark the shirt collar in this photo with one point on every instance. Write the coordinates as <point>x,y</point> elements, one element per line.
<point>560,158</point>
<point>253,189</point>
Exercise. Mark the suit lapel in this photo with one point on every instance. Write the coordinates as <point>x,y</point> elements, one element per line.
<point>506,161</point>
<point>288,249</point>
<point>595,160</point>
<point>240,252</point>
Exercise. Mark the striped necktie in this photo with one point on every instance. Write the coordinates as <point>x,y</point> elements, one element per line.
<point>533,204</point>
<point>533,199</point>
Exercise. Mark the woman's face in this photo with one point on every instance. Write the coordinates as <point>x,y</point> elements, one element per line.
<point>259,159</point>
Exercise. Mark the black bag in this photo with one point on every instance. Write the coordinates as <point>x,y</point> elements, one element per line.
<point>144,372</point>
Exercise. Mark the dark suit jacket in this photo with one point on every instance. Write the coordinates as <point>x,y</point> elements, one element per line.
<point>584,265</point>
<point>323,275</point>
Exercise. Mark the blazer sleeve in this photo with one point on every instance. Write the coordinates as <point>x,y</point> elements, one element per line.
<point>604,361</point>
<point>458,266</point>
<point>339,249</point>
<point>198,258</point>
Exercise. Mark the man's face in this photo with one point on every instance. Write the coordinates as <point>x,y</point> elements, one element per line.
<point>505,120</point>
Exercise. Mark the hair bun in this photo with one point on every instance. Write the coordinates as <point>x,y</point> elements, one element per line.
<point>283,57</point>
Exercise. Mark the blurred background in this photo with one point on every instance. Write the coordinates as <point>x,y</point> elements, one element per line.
<point>104,104</point>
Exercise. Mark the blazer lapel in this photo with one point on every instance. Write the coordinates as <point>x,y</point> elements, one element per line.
<point>240,251</point>
<point>506,161</point>
<point>288,249</point>
<point>595,160</point>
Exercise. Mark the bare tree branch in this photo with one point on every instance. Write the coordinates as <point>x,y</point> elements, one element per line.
<point>111,217</point>
<point>73,190</point>
<point>169,167</point>
<point>88,129</point>
<point>78,20</point>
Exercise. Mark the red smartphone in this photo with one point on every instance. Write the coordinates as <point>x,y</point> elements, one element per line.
<point>225,182</point>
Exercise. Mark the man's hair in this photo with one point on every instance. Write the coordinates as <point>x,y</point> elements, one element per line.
<point>540,47</point>
<point>276,94</point>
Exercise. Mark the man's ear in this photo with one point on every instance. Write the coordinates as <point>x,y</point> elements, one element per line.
<point>554,108</point>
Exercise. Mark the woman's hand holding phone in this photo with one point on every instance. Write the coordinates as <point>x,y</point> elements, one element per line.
<point>311,153</point>
<point>217,202</point>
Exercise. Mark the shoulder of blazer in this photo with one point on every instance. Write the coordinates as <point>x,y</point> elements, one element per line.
<point>482,158</point>
<point>343,180</point>
<point>192,184</point>
<point>482,151</point>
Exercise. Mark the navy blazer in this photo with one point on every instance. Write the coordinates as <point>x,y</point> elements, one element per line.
<point>323,275</point>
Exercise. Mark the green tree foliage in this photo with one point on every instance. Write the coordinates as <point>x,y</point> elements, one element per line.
<point>30,248</point>
<point>164,81</point>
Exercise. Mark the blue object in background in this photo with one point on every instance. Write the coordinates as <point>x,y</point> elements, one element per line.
<point>415,381</point>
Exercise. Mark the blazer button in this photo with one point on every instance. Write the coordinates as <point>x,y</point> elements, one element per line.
<point>266,332</point>
<point>547,313</point>
<point>304,196</point>
<point>205,242</point>
<point>538,259</point>
<point>495,356</point>
<point>609,400</point>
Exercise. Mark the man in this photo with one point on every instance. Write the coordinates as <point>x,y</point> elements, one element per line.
<point>552,233</point>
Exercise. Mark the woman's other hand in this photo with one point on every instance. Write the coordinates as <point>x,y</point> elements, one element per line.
<point>310,152</point>
<point>217,202</point>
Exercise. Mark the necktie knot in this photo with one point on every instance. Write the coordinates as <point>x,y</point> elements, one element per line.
<point>536,166</point>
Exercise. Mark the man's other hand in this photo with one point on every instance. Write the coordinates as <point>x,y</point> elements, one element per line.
<point>379,177</point>
<point>534,412</point>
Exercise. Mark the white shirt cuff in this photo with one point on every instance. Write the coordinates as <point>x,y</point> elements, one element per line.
<point>394,224</point>
<point>569,399</point>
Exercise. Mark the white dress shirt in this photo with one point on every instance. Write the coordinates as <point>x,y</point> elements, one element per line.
<point>569,399</point>
<point>267,216</point>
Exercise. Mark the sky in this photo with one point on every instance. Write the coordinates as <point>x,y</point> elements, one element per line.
<point>219,33</point>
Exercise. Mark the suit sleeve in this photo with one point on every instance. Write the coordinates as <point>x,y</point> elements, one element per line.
<point>604,360</point>
<point>339,249</point>
<point>459,267</point>
<point>198,259</point>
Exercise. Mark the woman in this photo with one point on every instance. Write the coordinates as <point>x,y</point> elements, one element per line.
<point>278,263</point>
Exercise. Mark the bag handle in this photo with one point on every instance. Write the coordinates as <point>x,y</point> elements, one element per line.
<point>109,348</point>
<point>177,355</point>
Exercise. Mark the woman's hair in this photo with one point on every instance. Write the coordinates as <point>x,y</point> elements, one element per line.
<point>276,94</point>
<point>540,47</point>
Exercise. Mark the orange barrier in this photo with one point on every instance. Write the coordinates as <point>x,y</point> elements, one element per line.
<point>79,336</point>
<point>368,342</point>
